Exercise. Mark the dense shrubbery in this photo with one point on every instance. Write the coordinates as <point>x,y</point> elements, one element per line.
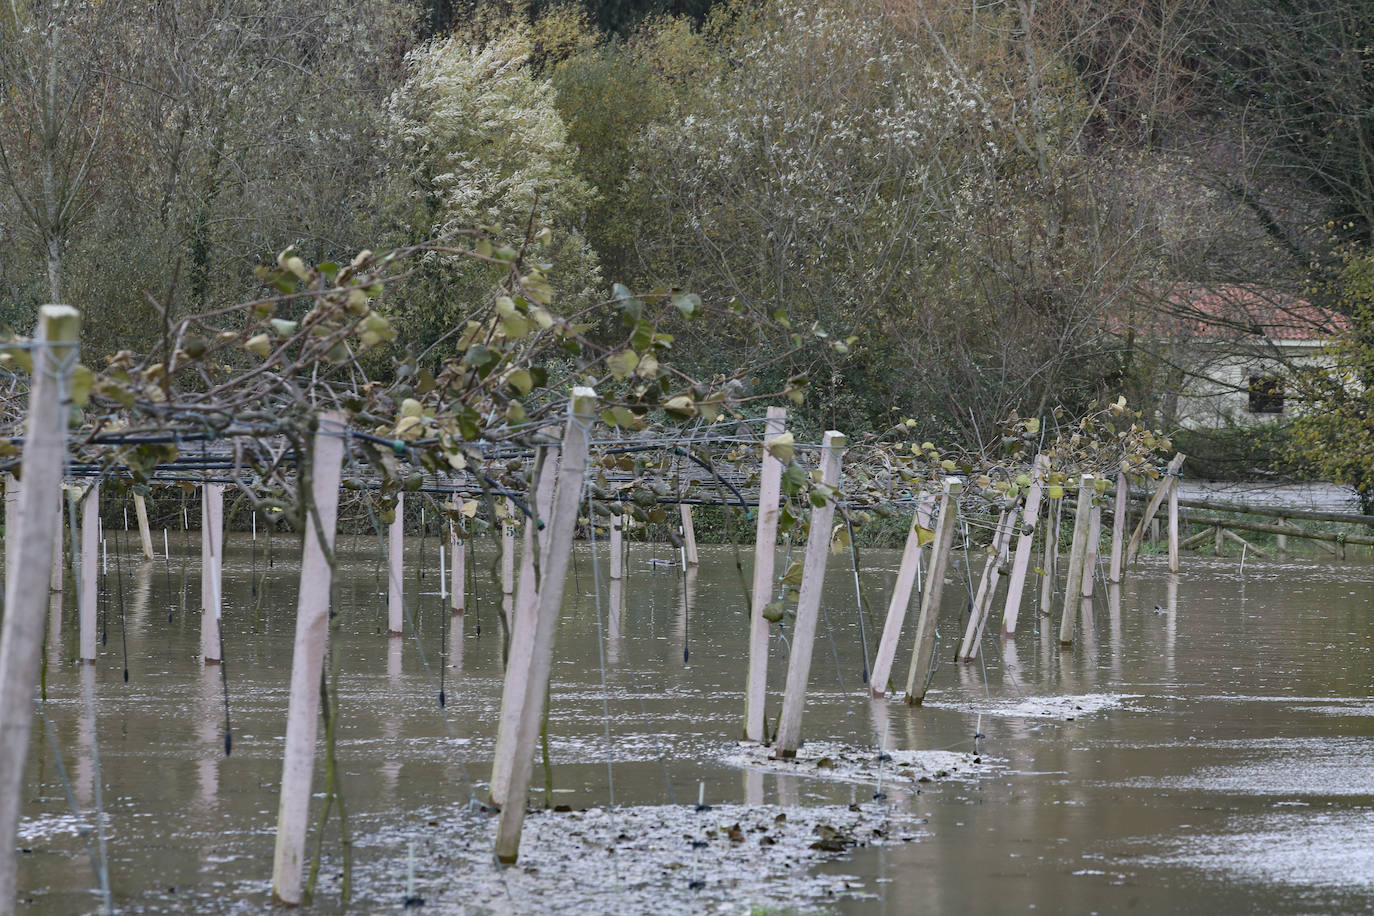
<point>949,201</point>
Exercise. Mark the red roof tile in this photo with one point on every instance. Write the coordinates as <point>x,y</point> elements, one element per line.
<point>1235,311</point>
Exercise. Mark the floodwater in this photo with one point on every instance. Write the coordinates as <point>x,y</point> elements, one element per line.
<point>1214,756</point>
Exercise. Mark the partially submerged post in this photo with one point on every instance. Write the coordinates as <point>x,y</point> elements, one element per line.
<point>987,584</point>
<point>11,521</point>
<point>211,566</point>
<point>307,661</point>
<point>921,658</point>
<point>1091,557</point>
<point>58,554</point>
<point>1167,481</point>
<point>765,549</point>
<point>26,594</point>
<point>458,548</point>
<point>1073,586</point>
<point>145,535</point>
<point>395,582</point>
<point>1173,527</point>
<point>88,587</point>
<point>809,600</point>
<point>617,547</point>
<point>901,600</point>
<point>1123,501</point>
<point>689,536</point>
<point>1024,545</point>
<point>1050,560</point>
<point>508,549</point>
<point>568,498</point>
<point>514,690</point>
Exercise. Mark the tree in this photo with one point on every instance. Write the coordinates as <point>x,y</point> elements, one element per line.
<point>480,142</point>
<point>53,120</point>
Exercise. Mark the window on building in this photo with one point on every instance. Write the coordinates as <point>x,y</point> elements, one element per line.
<point>1266,394</point>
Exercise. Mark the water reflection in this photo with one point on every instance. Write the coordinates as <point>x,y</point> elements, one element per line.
<point>208,713</point>
<point>1081,800</point>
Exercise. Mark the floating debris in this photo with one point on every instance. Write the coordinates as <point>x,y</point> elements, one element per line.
<point>844,763</point>
<point>664,859</point>
<point>1063,707</point>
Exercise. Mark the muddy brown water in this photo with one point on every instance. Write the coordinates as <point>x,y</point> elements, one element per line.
<point>1215,756</point>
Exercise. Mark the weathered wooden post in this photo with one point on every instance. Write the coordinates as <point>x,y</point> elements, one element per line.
<point>11,521</point>
<point>1024,545</point>
<point>1050,562</point>
<point>525,611</point>
<point>145,535</point>
<point>987,584</point>
<point>1073,586</point>
<point>1119,510</point>
<point>26,594</point>
<point>765,550</point>
<point>571,474</point>
<point>395,560</point>
<point>59,559</point>
<point>617,547</point>
<point>211,565</point>
<point>689,536</point>
<point>1169,480</point>
<point>508,550</point>
<point>1173,526</point>
<point>1090,557</point>
<point>307,660</point>
<point>919,672</point>
<point>897,607</point>
<point>88,584</point>
<point>809,600</point>
<point>458,549</point>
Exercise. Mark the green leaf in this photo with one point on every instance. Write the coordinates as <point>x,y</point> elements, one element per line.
<point>793,479</point>
<point>622,364</point>
<point>689,304</point>
<point>682,407</point>
<point>521,381</point>
<point>619,416</point>
<point>643,335</point>
<point>781,447</point>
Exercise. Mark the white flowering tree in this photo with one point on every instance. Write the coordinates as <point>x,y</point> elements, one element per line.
<point>480,143</point>
<point>847,167</point>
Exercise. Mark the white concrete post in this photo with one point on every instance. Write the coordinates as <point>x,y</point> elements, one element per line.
<point>921,659</point>
<point>395,560</point>
<point>26,592</point>
<point>307,662</point>
<point>145,536</point>
<point>765,551</point>
<point>809,601</point>
<point>1073,585</point>
<point>1025,543</point>
<point>567,501</point>
<point>211,566</point>
<point>88,588</point>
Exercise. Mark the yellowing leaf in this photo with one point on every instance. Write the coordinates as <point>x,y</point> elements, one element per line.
<point>259,345</point>
<point>781,447</point>
<point>682,407</point>
<point>622,364</point>
<point>82,378</point>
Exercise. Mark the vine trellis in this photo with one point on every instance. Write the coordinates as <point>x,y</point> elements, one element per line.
<point>248,395</point>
